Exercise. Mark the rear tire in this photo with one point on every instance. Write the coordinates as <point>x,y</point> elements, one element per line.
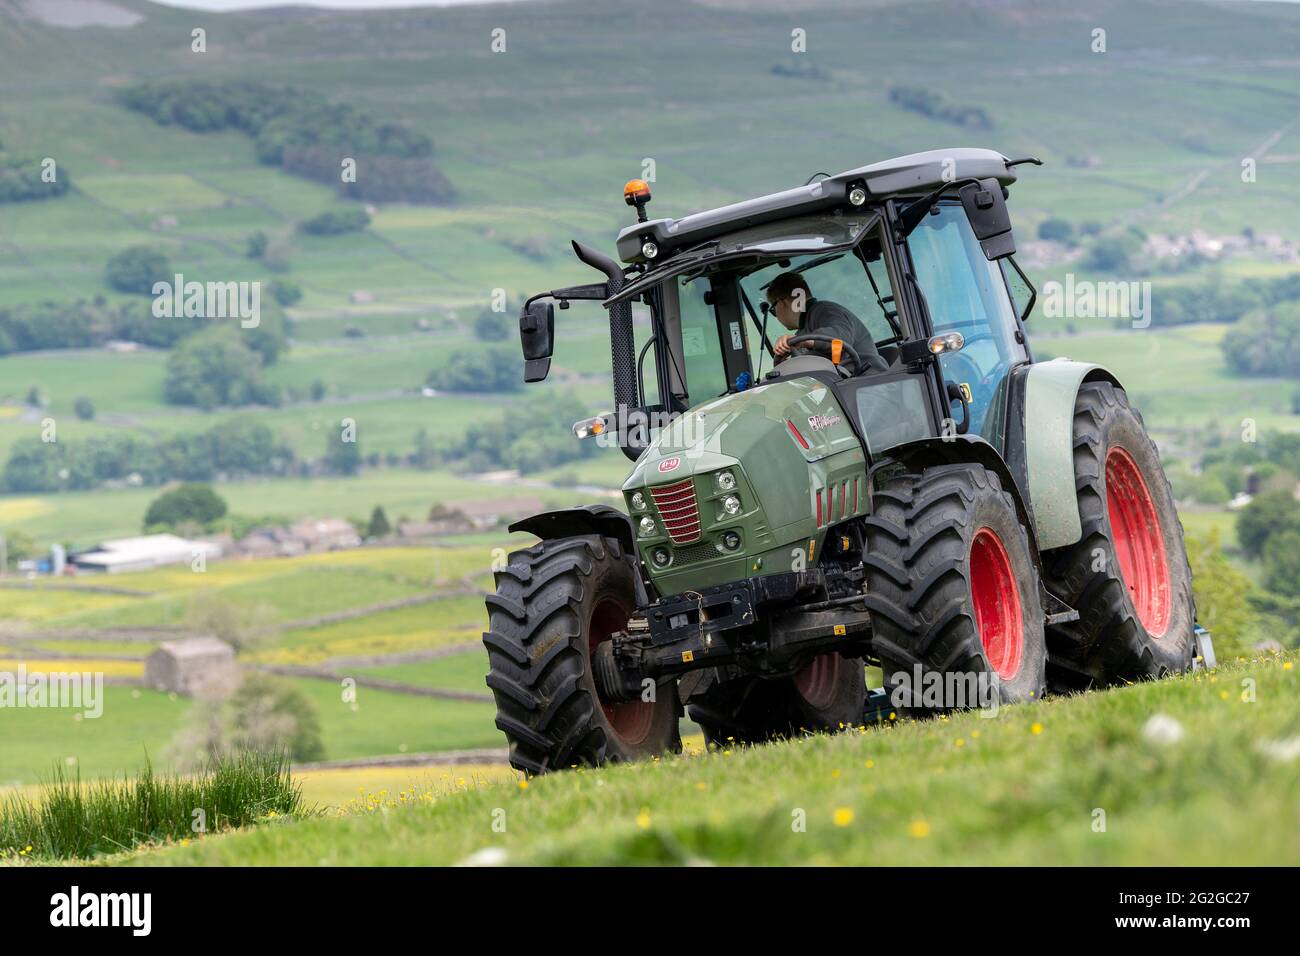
<point>1128,575</point>
<point>554,603</point>
<point>826,695</point>
<point>953,589</point>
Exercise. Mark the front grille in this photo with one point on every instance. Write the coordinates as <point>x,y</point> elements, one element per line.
<point>696,552</point>
<point>679,510</point>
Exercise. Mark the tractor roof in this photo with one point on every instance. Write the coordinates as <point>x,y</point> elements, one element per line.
<point>905,175</point>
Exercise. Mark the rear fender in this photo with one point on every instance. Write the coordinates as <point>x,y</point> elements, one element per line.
<point>1040,444</point>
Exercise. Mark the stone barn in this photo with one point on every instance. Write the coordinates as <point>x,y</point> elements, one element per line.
<point>201,667</point>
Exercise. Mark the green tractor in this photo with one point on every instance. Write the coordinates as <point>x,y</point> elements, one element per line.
<point>892,481</point>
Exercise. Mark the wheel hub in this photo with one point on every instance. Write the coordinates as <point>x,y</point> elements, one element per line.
<point>1138,540</point>
<point>996,596</point>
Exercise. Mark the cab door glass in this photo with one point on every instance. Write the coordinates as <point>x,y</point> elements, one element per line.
<point>701,349</point>
<point>966,293</point>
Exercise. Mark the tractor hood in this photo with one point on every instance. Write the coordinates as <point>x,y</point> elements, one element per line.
<point>797,421</point>
<point>776,449</point>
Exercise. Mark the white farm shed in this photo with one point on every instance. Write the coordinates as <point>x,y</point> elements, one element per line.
<point>145,552</point>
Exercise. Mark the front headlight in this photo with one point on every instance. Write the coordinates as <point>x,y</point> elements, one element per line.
<point>731,505</point>
<point>726,481</point>
<point>647,526</point>
<point>638,501</point>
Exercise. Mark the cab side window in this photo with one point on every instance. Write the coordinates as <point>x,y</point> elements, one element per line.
<point>966,293</point>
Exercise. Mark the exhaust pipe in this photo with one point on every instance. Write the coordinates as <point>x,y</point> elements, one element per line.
<point>621,343</point>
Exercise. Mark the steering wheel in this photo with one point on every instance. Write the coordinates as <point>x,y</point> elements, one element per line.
<point>817,343</point>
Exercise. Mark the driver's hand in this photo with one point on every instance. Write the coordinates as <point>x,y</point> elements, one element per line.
<point>782,345</point>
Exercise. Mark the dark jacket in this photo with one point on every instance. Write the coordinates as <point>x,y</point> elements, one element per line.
<point>830,318</point>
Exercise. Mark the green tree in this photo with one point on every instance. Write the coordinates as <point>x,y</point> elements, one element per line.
<point>1058,230</point>
<point>378,527</point>
<point>336,222</point>
<point>1282,562</point>
<point>84,408</point>
<point>1267,514</point>
<point>1266,342</point>
<point>1222,597</point>
<point>188,503</point>
<point>342,457</point>
<point>137,269</point>
<point>216,368</point>
<point>256,247</point>
<point>284,292</point>
<point>491,326</point>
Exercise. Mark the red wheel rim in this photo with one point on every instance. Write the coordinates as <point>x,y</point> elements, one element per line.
<point>996,595</point>
<point>630,720</point>
<point>1138,541</point>
<point>816,680</point>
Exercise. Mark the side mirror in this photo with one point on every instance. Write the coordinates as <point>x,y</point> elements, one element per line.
<point>986,208</point>
<point>537,335</point>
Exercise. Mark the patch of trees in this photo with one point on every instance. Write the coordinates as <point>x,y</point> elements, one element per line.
<point>378,178</point>
<point>231,449</point>
<point>1269,529</point>
<point>497,369</point>
<point>529,438</point>
<point>220,366</point>
<point>136,269</point>
<point>1266,342</point>
<point>490,326</point>
<point>189,504</point>
<point>264,715</point>
<point>800,71</point>
<point>336,222</point>
<point>303,133</point>
<point>81,324</point>
<point>936,106</point>
<point>22,180</point>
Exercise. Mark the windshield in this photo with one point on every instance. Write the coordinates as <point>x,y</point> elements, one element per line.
<point>723,326</point>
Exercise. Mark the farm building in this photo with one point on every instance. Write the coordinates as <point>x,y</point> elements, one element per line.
<point>202,667</point>
<point>326,534</point>
<point>143,553</point>
<point>486,514</point>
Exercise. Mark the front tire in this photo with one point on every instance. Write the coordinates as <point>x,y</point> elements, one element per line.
<point>953,590</point>
<point>555,602</point>
<point>828,694</point>
<point>1128,574</point>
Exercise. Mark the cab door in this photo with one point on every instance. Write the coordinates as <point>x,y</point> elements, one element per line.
<point>967,293</point>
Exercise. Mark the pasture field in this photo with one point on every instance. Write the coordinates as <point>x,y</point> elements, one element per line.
<point>1022,788</point>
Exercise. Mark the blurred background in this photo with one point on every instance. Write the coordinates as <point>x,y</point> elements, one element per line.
<point>325,493</point>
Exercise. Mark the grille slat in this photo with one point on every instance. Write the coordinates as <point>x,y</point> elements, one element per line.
<point>679,510</point>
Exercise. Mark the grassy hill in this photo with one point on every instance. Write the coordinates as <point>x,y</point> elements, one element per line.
<point>538,140</point>
<point>1022,788</point>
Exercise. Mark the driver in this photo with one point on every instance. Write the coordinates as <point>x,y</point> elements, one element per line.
<point>792,301</point>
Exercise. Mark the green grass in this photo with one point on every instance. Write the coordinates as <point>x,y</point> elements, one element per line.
<point>455,672</point>
<point>136,725</point>
<point>70,819</point>
<point>1177,377</point>
<point>1022,788</point>
<point>382,722</point>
